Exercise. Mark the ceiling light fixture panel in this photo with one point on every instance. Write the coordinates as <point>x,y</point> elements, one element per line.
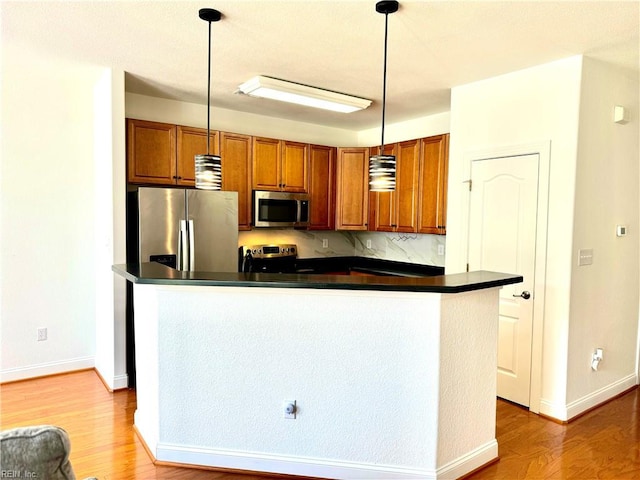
<point>291,92</point>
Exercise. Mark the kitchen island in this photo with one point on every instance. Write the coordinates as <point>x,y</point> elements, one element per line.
<point>392,377</point>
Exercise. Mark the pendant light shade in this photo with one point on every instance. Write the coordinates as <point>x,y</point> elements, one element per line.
<point>209,167</point>
<point>382,168</point>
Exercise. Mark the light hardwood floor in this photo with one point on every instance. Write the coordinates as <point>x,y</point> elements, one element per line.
<point>603,444</point>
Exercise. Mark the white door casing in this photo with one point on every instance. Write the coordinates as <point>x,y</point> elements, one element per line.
<point>503,220</point>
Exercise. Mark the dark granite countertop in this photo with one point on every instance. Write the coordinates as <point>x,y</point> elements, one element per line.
<point>158,274</point>
<point>375,266</point>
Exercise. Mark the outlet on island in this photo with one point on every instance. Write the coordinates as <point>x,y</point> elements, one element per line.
<point>290,409</point>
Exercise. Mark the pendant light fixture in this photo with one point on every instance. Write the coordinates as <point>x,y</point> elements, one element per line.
<point>382,168</point>
<point>209,167</point>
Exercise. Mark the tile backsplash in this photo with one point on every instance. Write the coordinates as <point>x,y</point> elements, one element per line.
<point>399,247</point>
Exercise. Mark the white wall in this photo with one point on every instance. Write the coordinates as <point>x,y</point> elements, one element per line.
<point>110,229</point>
<point>382,390</point>
<point>190,114</point>
<point>604,296</point>
<point>428,126</point>
<point>539,106</point>
<point>47,197</point>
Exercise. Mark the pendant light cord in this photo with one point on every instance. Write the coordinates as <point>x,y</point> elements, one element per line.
<point>384,81</point>
<point>209,91</point>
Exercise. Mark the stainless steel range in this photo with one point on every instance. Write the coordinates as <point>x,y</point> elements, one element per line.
<point>268,258</point>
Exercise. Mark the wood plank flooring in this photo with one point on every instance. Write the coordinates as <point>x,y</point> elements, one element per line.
<point>603,444</point>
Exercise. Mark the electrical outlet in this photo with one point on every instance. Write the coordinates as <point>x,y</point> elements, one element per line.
<point>440,250</point>
<point>368,243</point>
<point>596,359</point>
<point>325,243</point>
<point>42,334</point>
<point>289,409</point>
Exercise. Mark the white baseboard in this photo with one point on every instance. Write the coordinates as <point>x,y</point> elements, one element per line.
<point>321,468</point>
<point>44,369</point>
<point>575,408</point>
<point>469,462</point>
<point>120,382</point>
<point>303,466</point>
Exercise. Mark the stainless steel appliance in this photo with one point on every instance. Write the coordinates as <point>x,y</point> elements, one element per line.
<point>267,258</point>
<point>280,209</point>
<point>192,230</point>
<point>183,229</point>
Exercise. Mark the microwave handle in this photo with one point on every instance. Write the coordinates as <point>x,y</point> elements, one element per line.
<point>302,205</point>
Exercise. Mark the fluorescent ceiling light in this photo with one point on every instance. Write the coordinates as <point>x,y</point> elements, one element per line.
<point>274,89</point>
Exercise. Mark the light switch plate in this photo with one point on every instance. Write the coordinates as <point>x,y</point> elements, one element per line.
<point>585,257</point>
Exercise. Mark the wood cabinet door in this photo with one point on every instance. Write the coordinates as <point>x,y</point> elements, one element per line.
<point>382,210</point>
<point>322,171</point>
<point>352,189</point>
<point>444,188</point>
<point>191,142</point>
<point>433,185</point>
<point>235,150</point>
<point>266,164</point>
<point>151,152</point>
<point>295,167</point>
<point>405,217</point>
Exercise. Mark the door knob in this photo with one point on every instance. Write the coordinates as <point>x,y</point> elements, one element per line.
<point>526,295</point>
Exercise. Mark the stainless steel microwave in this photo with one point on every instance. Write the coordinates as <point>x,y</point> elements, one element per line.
<point>280,209</point>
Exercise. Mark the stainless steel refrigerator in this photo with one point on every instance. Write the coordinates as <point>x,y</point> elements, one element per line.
<point>192,230</point>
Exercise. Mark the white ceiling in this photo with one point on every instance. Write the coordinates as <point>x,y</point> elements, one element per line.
<point>336,45</point>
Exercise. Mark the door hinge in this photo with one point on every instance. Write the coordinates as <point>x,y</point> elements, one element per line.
<point>467,267</point>
<point>470,182</point>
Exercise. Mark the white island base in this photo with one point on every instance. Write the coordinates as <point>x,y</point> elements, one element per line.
<point>387,384</point>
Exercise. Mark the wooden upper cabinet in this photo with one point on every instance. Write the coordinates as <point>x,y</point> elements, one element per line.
<point>235,150</point>
<point>280,165</point>
<point>352,188</point>
<point>322,172</point>
<point>407,179</point>
<point>434,162</point>
<point>151,152</point>
<point>266,164</point>
<point>295,167</point>
<point>397,211</point>
<point>164,154</point>
<point>337,180</point>
<point>382,204</point>
<point>192,142</point>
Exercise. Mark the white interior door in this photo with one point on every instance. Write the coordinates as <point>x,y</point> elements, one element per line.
<point>502,238</point>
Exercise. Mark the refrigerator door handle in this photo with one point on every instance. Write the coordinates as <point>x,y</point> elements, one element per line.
<point>192,247</point>
<point>183,246</point>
